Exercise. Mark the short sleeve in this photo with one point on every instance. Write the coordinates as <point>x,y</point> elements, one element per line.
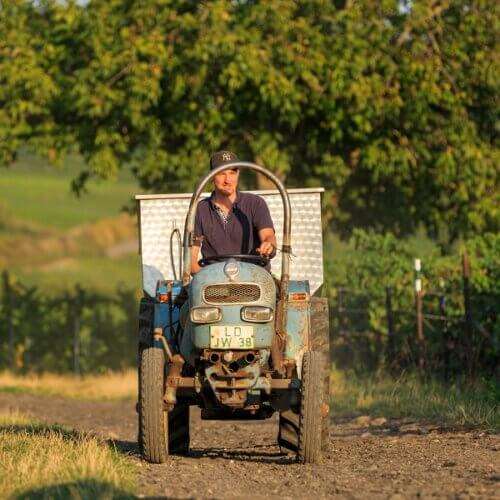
<point>198,227</point>
<point>262,216</point>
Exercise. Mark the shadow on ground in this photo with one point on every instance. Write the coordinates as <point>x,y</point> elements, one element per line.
<point>76,490</point>
<point>41,430</point>
<point>246,455</point>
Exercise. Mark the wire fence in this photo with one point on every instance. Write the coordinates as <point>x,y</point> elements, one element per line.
<point>451,332</point>
<point>446,330</point>
<point>77,330</point>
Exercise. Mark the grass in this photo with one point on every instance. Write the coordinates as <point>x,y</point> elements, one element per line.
<point>38,193</point>
<point>469,405</point>
<point>42,461</point>
<point>112,386</point>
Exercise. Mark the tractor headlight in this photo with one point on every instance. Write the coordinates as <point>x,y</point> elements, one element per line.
<point>205,314</point>
<point>258,314</point>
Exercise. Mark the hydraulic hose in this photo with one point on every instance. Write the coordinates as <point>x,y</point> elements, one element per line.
<point>177,233</point>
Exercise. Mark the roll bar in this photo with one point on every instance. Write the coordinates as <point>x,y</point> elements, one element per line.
<point>287,219</point>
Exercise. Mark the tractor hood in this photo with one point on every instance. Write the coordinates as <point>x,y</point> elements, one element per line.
<point>237,290</point>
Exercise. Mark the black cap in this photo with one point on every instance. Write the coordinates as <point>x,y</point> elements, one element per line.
<point>221,158</point>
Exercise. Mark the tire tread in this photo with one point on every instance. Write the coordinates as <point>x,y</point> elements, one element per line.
<point>153,429</point>
<point>310,422</point>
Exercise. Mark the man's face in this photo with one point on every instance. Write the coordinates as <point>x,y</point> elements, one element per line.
<point>226,182</point>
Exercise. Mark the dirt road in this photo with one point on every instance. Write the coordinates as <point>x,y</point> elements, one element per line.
<point>367,458</point>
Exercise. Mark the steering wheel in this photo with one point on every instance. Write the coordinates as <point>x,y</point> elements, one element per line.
<point>260,260</point>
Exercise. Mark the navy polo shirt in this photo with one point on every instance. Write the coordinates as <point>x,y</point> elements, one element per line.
<point>239,235</point>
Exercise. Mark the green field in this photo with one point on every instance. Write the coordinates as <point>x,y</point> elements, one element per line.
<point>38,208</point>
<point>36,192</point>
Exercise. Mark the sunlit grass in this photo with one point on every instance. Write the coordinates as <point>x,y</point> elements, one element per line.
<point>381,395</point>
<point>42,461</point>
<point>111,386</point>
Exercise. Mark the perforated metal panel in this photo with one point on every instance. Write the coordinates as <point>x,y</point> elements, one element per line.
<point>160,214</point>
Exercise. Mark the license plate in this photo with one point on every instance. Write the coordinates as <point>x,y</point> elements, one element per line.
<point>231,337</point>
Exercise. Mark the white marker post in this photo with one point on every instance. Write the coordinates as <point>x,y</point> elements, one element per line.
<point>419,313</point>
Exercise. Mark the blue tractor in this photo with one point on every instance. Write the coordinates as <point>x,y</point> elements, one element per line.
<point>236,342</point>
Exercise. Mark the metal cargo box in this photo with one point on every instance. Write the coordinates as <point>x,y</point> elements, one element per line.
<point>159,214</point>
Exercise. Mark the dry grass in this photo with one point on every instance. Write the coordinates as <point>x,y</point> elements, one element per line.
<point>41,461</point>
<point>470,405</point>
<point>122,385</point>
<point>91,239</point>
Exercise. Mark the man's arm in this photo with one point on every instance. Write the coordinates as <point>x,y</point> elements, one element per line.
<point>195,252</point>
<point>267,241</point>
<point>265,227</point>
<point>198,238</point>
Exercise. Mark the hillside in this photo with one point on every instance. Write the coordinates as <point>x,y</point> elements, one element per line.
<point>51,238</point>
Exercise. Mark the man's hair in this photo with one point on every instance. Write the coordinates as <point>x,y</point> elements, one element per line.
<point>221,158</point>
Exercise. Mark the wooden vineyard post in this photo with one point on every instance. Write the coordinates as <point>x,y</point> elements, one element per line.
<point>390,353</point>
<point>469,325</point>
<point>9,303</point>
<point>340,310</point>
<point>77,310</point>
<point>446,340</point>
<point>419,294</point>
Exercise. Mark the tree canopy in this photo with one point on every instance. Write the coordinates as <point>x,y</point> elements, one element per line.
<point>392,107</point>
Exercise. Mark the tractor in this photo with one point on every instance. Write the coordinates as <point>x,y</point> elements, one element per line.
<point>235,339</point>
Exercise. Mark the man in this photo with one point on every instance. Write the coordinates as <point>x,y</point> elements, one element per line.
<point>231,222</point>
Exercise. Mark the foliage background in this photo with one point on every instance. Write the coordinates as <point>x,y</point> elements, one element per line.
<point>392,106</point>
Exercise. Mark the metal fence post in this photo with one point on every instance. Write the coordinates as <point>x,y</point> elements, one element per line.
<point>419,314</point>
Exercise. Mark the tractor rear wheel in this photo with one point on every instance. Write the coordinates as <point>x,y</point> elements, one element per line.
<point>320,341</point>
<point>288,429</point>
<point>153,428</point>
<point>178,429</point>
<point>311,398</point>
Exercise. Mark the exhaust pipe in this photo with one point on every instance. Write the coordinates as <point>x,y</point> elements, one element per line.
<point>250,357</point>
<point>214,357</point>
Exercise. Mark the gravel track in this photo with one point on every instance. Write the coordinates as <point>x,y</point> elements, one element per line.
<point>367,458</point>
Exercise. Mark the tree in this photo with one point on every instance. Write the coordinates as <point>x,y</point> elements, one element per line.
<point>394,110</point>
<point>26,88</point>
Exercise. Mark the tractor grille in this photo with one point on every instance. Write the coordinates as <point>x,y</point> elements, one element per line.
<point>231,293</point>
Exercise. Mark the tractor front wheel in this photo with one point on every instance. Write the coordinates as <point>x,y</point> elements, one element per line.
<point>310,418</point>
<point>161,433</point>
<point>153,426</point>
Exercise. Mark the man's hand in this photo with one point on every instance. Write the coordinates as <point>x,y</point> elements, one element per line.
<point>267,242</point>
<point>266,248</point>
<point>195,252</point>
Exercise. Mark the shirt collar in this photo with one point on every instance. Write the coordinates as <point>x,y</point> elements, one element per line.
<point>236,201</point>
<point>238,198</point>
